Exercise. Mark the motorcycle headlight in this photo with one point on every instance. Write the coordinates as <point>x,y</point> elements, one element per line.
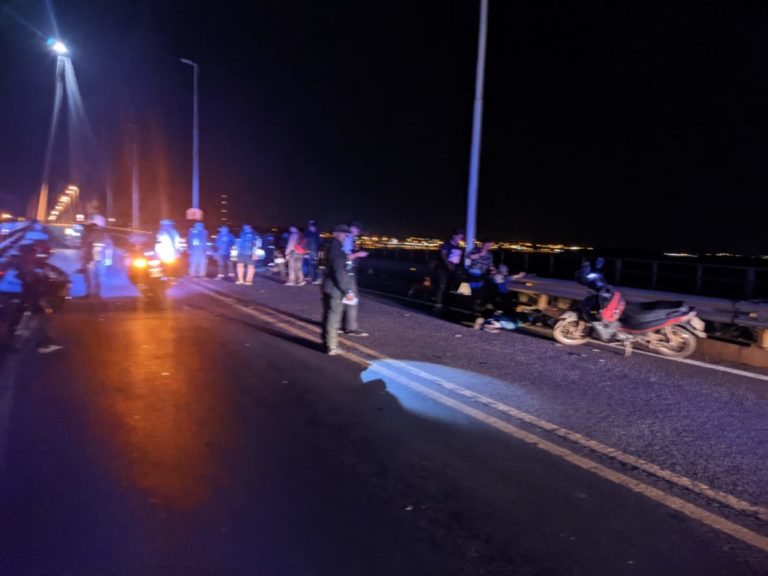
<point>139,263</point>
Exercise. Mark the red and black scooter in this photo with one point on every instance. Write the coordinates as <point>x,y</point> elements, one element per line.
<point>669,328</point>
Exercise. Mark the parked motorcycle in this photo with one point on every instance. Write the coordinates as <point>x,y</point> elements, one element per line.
<point>42,289</point>
<point>669,328</point>
<point>148,272</point>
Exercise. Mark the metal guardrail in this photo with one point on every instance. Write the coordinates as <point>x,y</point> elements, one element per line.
<point>744,313</point>
<point>751,316</point>
<point>675,275</point>
<point>13,239</point>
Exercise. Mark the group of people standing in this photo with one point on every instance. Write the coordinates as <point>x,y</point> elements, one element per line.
<point>246,256</point>
<point>302,251</point>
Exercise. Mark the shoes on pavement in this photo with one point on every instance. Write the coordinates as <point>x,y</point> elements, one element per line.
<point>249,283</point>
<point>334,351</point>
<point>290,284</point>
<point>49,348</point>
<point>359,333</point>
<point>317,282</point>
<point>239,282</point>
<point>301,284</point>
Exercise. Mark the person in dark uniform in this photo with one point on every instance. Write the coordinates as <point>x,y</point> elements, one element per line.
<point>338,289</point>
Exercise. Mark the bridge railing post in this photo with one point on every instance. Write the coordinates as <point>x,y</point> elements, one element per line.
<point>749,284</point>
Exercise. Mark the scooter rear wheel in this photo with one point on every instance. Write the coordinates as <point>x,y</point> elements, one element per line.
<point>675,342</point>
<point>571,332</point>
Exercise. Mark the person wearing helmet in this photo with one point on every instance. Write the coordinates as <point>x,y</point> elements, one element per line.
<point>246,245</point>
<point>168,245</point>
<point>197,245</point>
<point>94,245</point>
<point>224,243</point>
<point>35,295</point>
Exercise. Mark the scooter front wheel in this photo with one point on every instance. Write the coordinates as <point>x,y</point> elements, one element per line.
<point>571,332</point>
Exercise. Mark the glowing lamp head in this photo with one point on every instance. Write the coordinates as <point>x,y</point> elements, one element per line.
<point>58,46</point>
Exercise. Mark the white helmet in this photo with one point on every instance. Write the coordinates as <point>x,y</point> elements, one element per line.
<point>99,220</point>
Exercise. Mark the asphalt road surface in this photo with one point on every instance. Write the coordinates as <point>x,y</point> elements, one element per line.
<point>214,437</point>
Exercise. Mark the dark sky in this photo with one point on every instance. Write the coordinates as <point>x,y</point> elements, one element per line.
<point>627,124</point>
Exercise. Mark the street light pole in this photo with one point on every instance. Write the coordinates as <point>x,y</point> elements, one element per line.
<point>42,199</point>
<point>195,141</point>
<point>477,127</point>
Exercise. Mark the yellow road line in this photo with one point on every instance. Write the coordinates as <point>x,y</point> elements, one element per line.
<point>603,449</point>
<point>673,502</point>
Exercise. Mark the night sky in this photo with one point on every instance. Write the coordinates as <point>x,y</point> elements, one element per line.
<point>617,124</point>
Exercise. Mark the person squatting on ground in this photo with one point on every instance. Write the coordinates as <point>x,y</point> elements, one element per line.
<point>337,287</point>
<point>294,252</point>
<point>197,246</point>
<point>224,243</point>
<point>481,269</point>
<point>351,327</point>
<point>246,246</point>
<point>448,262</point>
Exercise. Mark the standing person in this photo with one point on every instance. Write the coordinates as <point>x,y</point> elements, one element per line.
<point>481,268</point>
<point>197,245</point>
<point>246,245</point>
<point>337,288</point>
<point>294,252</point>
<point>313,252</point>
<point>94,244</point>
<point>224,243</point>
<point>351,327</point>
<point>448,261</point>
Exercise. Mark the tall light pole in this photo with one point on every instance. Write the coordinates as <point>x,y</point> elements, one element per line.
<point>477,128</point>
<point>195,142</point>
<point>63,54</point>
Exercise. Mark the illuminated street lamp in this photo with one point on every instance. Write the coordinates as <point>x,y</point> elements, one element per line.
<point>61,51</point>
<point>58,46</point>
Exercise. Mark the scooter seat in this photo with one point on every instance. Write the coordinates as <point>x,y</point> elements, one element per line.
<point>640,316</point>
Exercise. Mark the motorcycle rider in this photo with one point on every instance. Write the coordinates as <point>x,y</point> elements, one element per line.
<point>37,235</point>
<point>168,244</point>
<point>35,292</point>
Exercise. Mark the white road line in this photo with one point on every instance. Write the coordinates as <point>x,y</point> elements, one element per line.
<point>593,445</point>
<point>735,530</point>
<point>699,363</point>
